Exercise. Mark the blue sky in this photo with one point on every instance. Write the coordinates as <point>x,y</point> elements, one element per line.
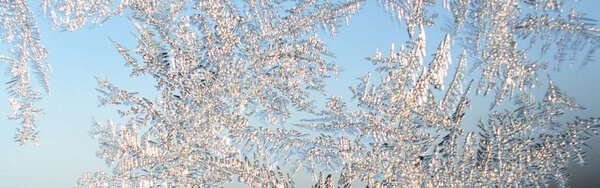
<point>66,149</point>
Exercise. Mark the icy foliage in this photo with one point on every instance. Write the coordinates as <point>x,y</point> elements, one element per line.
<point>26,55</point>
<point>231,74</point>
<point>216,64</point>
<point>408,137</point>
<point>503,36</point>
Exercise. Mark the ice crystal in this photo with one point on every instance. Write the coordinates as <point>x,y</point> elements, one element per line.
<point>410,138</point>
<point>231,74</point>
<point>227,63</point>
<point>218,64</point>
<point>501,36</point>
<point>19,30</point>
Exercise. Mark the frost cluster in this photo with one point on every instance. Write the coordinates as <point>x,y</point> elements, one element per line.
<point>220,65</point>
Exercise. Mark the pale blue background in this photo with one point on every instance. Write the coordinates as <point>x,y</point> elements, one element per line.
<point>66,149</point>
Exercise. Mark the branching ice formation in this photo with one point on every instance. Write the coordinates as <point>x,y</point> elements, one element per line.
<point>216,65</point>
<point>409,138</point>
<point>221,65</point>
<point>19,30</point>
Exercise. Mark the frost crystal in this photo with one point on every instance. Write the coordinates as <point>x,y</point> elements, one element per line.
<point>217,64</point>
<point>19,30</point>
<point>408,137</point>
<point>231,74</point>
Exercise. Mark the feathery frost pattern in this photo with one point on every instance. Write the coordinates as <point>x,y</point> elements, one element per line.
<point>216,65</point>
<point>26,55</point>
<point>231,75</point>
